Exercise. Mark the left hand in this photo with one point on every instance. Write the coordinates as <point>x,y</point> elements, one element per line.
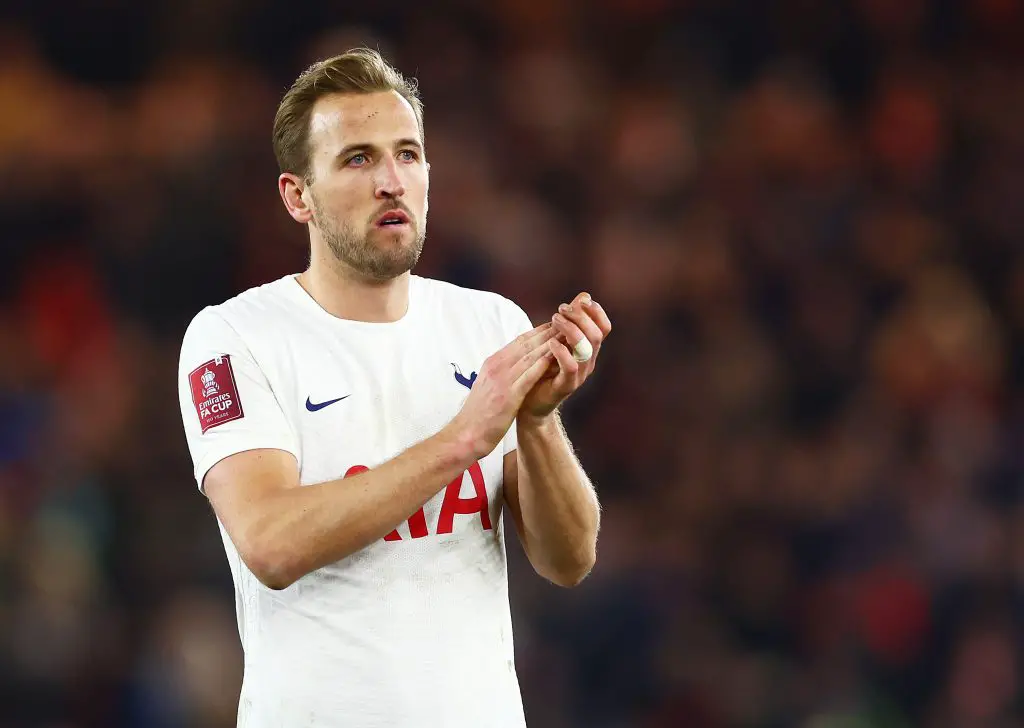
<point>583,318</point>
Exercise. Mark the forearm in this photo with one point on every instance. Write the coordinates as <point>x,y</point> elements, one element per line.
<point>295,531</point>
<point>559,508</point>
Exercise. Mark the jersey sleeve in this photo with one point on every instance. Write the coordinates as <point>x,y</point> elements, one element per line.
<point>515,322</point>
<point>227,404</point>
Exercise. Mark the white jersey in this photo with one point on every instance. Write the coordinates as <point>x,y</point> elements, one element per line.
<point>413,630</point>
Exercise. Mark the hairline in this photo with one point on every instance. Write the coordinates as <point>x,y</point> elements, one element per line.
<point>420,140</point>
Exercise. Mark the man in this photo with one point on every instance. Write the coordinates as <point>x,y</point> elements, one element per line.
<point>358,430</point>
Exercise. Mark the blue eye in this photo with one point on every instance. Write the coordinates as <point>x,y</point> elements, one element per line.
<point>408,155</point>
<point>358,160</point>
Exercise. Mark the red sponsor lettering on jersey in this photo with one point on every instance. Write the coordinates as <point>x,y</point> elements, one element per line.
<point>452,505</point>
<point>215,393</point>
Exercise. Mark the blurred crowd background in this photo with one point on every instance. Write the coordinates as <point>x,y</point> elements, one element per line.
<point>805,218</point>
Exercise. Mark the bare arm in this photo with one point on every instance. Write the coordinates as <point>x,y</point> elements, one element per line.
<point>553,504</point>
<point>283,531</point>
<point>551,499</point>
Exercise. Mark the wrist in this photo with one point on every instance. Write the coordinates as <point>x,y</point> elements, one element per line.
<point>465,444</point>
<point>540,425</point>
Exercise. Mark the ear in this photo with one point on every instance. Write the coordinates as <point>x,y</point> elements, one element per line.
<point>292,190</point>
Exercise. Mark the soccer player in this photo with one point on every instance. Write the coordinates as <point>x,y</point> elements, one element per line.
<point>358,431</point>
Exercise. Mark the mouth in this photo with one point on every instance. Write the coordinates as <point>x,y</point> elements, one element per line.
<point>393,218</point>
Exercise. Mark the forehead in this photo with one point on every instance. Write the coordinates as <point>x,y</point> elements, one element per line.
<point>377,118</point>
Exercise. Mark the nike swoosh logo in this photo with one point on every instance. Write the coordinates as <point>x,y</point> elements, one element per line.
<point>319,406</point>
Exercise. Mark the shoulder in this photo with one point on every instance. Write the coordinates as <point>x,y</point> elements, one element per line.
<point>256,306</point>
<point>487,306</point>
<point>258,302</point>
<point>239,321</point>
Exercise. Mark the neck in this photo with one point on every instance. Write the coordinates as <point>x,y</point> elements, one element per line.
<point>345,294</point>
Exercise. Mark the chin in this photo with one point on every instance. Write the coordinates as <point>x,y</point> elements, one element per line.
<point>404,236</point>
<point>392,262</point>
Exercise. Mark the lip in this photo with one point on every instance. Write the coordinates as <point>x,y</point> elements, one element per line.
<point>399,215</point>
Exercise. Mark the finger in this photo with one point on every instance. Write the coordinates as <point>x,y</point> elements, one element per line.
<point>581,317</point>
<point>598,315</point>
<point>539,351</point>
<point>525,342</point>
<point>529,339</point>
<point>582,346</point>
<point>532,374</point>
<point>581,298</point>
<point>567,328</point>
<point>568,367</point>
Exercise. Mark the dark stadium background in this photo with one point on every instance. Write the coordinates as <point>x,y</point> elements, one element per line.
<point>805,218</point>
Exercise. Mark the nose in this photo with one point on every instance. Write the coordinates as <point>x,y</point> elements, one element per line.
<point>388,184</point>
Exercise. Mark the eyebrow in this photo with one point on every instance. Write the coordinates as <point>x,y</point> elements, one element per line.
<point>364,146</point>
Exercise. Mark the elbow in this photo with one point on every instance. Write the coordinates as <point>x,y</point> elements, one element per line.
<point>572,573</point>
<point>273,567</point>
<point>273,578</point>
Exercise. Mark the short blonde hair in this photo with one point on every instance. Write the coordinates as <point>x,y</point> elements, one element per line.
<point>361,70</point>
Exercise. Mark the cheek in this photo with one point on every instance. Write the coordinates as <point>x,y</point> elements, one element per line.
<point>337,199</point>
<point>416,186</point>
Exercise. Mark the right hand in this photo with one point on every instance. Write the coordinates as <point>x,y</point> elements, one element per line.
<point>500,387</point>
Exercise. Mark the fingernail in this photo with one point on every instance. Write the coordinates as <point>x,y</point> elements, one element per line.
<point>585,299</point>
<point>564,307</point>
<point>559,318</point>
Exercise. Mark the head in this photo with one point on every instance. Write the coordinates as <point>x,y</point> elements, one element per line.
<point>348,137</point>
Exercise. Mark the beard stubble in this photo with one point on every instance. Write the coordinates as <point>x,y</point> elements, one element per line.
<point>361,254</point>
